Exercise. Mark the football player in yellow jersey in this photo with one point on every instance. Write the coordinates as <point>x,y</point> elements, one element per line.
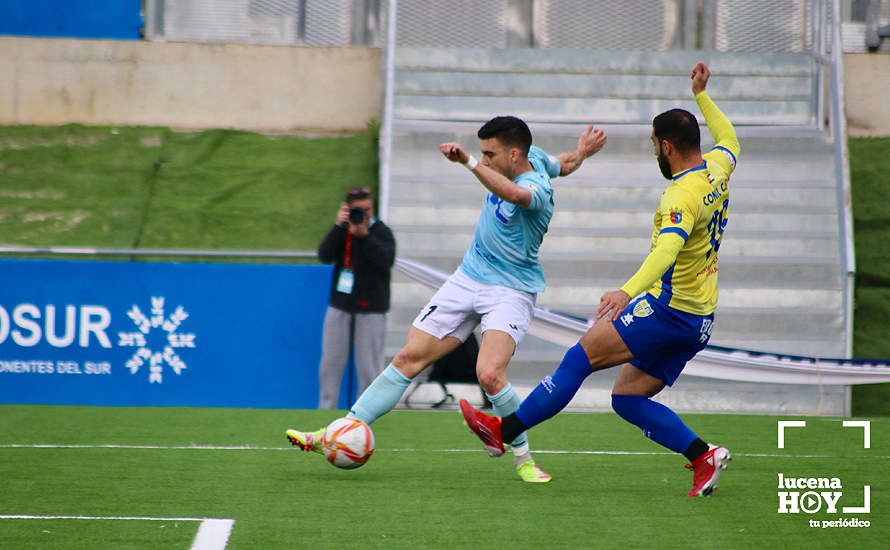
<point>655,335</point>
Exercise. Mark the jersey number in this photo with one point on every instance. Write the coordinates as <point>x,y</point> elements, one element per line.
<point>716,227</point>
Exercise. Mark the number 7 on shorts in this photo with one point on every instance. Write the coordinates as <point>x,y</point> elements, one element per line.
<point>427,314</point>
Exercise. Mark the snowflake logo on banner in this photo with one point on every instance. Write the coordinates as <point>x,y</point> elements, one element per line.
<point>156,347</point>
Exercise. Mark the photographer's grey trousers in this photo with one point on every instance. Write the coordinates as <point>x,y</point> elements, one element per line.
<point>370,332</point>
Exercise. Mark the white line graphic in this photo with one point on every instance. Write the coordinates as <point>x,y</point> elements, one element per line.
<point>782,424</point>
<point>213,533</point>
<point>866,430</point>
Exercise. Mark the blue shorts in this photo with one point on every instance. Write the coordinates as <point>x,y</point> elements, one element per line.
<point>661,338</point>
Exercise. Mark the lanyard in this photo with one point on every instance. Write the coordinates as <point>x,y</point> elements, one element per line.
<point>347,264</point>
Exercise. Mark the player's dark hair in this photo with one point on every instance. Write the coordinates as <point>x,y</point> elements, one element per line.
<point>680,128</point>
<point>509,130</point>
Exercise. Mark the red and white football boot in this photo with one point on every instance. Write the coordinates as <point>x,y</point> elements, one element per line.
<point>487,428</point>
<point>706,469</point>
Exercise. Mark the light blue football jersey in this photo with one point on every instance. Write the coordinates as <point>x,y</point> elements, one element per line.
<point>505,245</point>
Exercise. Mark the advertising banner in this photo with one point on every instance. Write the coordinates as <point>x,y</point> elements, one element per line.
<point>167,334</point>
<point>118,20</point>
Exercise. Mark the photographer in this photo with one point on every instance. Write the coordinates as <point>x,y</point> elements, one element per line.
<point>363,250</point>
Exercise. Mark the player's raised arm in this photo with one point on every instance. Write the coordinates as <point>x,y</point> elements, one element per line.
<point>498,184</point>
<point>720,127</point>
<point>592,139</point>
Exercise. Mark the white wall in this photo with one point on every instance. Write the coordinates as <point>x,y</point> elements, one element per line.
<point>265,88</point>
<point>187,85</point>
<point>867,90</point>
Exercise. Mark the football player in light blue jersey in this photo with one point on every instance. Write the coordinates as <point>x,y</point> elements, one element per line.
<point>505,245</point>
<point>497,281</point>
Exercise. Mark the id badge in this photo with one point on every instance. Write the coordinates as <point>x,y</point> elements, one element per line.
<point>345,281</point>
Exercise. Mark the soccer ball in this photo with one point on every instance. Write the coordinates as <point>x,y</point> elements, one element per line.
<point>348,443</point>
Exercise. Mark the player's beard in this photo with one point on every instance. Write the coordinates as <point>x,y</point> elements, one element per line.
<point>665,166</point>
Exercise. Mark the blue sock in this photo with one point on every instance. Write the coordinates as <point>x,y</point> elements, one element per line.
<point>504,402</point>
<point>381,396</point>
<point>659,423</point>
<point>554,392</point>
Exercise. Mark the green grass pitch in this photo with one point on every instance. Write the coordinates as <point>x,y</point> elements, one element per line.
<point>429,484</point>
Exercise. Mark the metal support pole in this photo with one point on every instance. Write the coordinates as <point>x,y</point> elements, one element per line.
<point>388,92</point>
<point>365,26</point>
<point>709,26</point>
<point>519,23</point>
<point>689,32</point>
<point>154,20</point>
<point>874,34</point>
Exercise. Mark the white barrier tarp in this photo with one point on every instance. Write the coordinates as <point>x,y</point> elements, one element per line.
<point>713,362</point>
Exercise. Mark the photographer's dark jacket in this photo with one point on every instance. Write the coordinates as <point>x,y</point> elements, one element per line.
<point>371,259</point>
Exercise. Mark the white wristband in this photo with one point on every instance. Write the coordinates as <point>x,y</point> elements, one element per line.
<point>471,163</point>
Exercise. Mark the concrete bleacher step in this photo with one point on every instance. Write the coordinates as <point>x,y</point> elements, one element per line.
<point>456,243</point>
<point>572,193</point>
<point>767,272</point>
<point>576,86</point>
<point>627,138</point>
<point>625,157</point>
<point>574,216</point>
<point>513,61</point>
<point>565,61</point>
<point>743,328</point>
<point>583,109</point>
<point>540,85</point>
<point>583,299</point>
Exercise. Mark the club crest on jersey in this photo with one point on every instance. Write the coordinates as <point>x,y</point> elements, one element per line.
<point>643,309</point>
<point>676,216</point>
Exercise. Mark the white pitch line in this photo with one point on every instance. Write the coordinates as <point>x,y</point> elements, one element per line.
<point>101,518</point>
<point>625,453</point>
<point>213,533</point>
<point>396,450</point>
<point>123,446</point>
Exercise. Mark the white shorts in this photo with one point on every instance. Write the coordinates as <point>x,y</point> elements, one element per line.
<point>462,303</point>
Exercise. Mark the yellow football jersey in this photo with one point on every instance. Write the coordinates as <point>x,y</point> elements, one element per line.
<point>695,208</point>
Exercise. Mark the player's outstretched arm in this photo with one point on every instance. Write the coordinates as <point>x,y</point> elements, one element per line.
<point>589,143</point>
<point>500,185</point>
<point>720,126</point>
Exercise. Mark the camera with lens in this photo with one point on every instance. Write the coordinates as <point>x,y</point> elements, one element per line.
<point>356,215</point>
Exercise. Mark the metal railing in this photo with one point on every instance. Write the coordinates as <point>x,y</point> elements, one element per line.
<point>842,172</point>
<point>722,25</point>
<point>389,71</point>
<point>276,22</point>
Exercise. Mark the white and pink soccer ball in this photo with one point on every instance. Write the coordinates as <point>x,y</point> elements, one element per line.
<point>348,443</point>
